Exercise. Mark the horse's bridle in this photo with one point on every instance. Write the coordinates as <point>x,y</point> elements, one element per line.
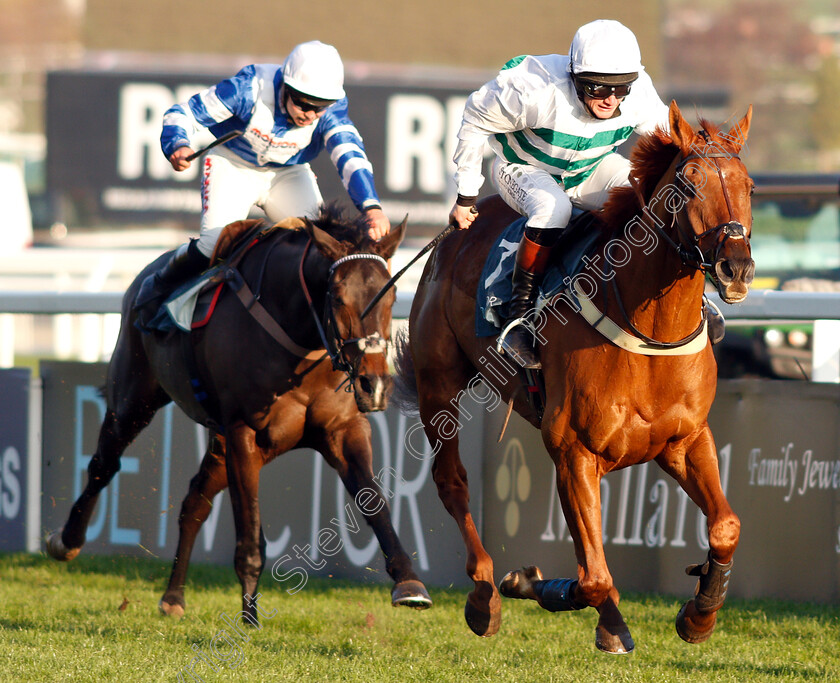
<point>693,255</point>
<point>333,342</point>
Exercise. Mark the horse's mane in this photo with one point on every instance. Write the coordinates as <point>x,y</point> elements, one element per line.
<point>332,219</point>
<point>649,160</point>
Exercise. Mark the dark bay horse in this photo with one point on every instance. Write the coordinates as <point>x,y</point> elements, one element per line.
<point>606,408</point>
<point>268,395</point>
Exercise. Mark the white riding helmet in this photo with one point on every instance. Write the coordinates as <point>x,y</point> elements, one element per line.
<point>315,69</point>
<point>605,46</point>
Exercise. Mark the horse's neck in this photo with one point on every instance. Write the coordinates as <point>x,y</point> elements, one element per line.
<point>661,295</point>
<point>283,294</point>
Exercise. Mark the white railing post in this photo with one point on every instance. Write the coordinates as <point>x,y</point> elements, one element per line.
<point>7,340</point>
<point>826,352</point>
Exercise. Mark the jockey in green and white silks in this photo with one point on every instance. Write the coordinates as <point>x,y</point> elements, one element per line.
<point>554,122</point>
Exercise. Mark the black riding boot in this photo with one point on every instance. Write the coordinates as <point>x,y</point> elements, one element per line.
<point>186,261</point>
<point>531,261</point>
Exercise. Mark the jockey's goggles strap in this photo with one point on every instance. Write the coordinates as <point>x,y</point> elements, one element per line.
<point>306,103</point>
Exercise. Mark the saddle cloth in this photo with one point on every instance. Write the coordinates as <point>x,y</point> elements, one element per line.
<point>495,288</point>
<point>189,306</point>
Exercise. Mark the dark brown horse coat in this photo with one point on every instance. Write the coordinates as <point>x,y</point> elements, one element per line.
<point>265,399</point>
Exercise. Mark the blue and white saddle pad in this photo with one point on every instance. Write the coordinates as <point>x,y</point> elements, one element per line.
<point>494,287</point>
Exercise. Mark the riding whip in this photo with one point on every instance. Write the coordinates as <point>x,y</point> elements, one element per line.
<point>218,141</point>
<point>431,245</point>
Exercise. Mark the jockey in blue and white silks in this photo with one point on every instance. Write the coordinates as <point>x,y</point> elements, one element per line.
<point>251,102</point>
<point>554,123</point>
<point>285,116</point>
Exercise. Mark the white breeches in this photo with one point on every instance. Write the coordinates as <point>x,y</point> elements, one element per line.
<point>230,187</point>
<point>536,194</point>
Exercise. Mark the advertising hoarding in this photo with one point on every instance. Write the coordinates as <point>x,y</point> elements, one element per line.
<point>302,500</point>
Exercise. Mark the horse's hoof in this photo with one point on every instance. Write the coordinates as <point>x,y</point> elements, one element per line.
<point>170,609</point>
<point>618,643</point>
<point>411,593</point>
<point>483,613</point>
<point>517,583</point>
<point>688,631</point>
<point>57,550</point>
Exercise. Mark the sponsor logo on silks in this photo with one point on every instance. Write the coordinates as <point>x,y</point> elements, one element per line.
<point>513,484</point>
<point>273,141</point>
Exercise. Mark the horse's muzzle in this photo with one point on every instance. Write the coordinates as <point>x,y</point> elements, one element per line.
<point>372,392</point>
<point>734,276</point>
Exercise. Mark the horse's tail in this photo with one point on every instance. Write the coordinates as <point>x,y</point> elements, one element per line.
<point>405,395</point>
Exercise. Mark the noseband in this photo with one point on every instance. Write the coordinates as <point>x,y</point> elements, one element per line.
<point>335,345</point>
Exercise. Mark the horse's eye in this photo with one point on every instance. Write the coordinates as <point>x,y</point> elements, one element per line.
<point>687,187</point>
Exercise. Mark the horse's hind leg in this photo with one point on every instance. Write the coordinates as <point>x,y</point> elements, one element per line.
<point>133,400</point>
<point>211,478</point>
<point>695,467</point>
<point>349,453</point>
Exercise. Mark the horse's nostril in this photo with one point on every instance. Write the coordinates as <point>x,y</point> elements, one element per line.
<point>749,272</point>
<point>365,384</point>
<point>724,271</point>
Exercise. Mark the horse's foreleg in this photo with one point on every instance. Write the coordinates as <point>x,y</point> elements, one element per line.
<point>695,466</point>
<point>211,478</point>
<point>578,485</point>
<point>244,460</point>
<point>118,430</point>
<point>483,610</point>
<point>353,460</point>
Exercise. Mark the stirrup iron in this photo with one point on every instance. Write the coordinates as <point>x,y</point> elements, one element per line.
<point>502,347</point>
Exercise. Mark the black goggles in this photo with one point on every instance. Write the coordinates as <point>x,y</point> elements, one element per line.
<point>302,103</point>
<point>598,91</point>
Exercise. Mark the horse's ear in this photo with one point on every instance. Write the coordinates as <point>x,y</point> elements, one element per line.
<point>737,135</point>
<point>326,243</point>
<point>681,133</point>
<point>388,244</point>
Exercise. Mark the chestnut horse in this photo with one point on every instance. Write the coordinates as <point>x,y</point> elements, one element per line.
<point>687,215</point>
<point>269,391</point>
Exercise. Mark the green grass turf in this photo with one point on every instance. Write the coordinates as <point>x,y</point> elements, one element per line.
<point>63,622</point>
